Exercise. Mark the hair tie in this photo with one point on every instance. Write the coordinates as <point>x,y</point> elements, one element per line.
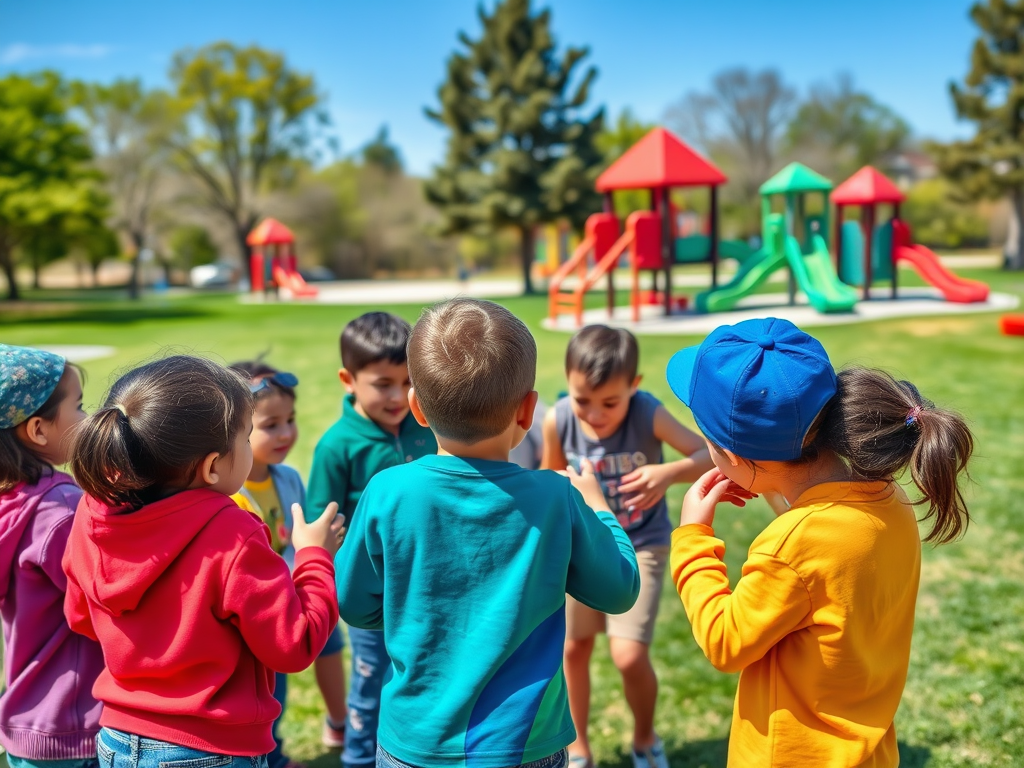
<point>913,415</point>
<point>121,408</point>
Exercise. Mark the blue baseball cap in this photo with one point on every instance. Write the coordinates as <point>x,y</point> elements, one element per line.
<point>755,387</point>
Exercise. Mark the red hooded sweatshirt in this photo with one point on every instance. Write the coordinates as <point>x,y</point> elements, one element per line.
<point>193,610</point>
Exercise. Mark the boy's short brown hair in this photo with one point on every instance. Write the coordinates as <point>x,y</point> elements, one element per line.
<point>601,353</point>
<point>471,363</point>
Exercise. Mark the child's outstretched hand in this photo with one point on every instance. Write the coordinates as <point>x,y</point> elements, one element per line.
<point>586,482</point>
<point>712,488</point>
<point>320,533</point>
<point>646,486</point>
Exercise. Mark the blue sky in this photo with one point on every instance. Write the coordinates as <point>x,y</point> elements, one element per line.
<point>381,62</point>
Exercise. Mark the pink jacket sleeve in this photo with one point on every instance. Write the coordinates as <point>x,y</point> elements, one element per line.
<point>285,618</point>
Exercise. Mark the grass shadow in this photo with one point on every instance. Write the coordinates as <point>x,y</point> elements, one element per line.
<point>49,314</point>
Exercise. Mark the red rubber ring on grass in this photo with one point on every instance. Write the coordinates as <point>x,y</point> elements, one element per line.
<point>1012,325</point>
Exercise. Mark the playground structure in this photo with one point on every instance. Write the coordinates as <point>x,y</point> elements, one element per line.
<point>554,245</point>
<point>867,251</point>
<point>795,238</point>
<point>282,266</point>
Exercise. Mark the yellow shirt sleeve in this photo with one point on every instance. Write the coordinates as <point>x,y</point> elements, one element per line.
<point>737,627</point>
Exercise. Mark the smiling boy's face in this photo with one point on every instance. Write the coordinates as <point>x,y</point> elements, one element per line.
<point>602,408</point>
<point>381,391</point>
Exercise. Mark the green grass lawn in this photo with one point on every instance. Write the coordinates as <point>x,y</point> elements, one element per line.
<point>964,701</point>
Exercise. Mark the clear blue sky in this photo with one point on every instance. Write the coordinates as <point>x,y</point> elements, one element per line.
<point>381,62</point>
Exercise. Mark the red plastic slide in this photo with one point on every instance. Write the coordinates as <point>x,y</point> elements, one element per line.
<point>927,264</point>
<point>293,282</point>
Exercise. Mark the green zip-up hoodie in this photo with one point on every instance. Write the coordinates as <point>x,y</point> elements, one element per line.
<point>355,449</point>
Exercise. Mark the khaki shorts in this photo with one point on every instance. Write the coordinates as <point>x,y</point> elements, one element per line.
<point>637,623</point>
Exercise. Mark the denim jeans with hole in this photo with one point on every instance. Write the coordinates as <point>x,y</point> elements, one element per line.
<point>116,749</point>
<point>557,760</point>
<point>370,662</point>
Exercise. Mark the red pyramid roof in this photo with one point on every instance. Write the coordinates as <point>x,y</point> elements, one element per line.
<point>270,232</point>
<point>660,159</point>
<point>867,187</point>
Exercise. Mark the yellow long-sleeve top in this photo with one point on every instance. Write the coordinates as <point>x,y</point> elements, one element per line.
<point>819,626</point>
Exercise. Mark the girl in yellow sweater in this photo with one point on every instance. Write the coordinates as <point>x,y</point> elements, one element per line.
<point>819,624</point>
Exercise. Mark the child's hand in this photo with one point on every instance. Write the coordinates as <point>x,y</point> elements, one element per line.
<point>712,488</point>
<point>586,482</point>
<point>339,529</point>
<point>319,533</point>
<point>648,484</point>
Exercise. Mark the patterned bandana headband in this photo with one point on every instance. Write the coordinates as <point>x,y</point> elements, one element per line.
<point>913,415</point>
<point>27,379</point>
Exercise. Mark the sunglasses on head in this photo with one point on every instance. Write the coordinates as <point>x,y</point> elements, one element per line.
<point>281,378</point>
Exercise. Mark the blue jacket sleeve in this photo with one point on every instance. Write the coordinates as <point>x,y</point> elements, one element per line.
<point>359,570</point>
<point>603,573</point>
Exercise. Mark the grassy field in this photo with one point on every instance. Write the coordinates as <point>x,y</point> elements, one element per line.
<point>964,702</point>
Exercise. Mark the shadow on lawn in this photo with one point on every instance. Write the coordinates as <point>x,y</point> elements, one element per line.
<point>49,313</point>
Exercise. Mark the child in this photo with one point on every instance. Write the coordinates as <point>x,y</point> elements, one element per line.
<point>192,606</point>
<point>464,559</point>
<point>819,624</point>
<point>48,715</point>
<point>607,419</point>
<point>375,432</point>
<point>269,491</point>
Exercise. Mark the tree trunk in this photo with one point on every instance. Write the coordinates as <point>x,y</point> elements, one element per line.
<point>96,273</point>
<point>37,268</point>
<point>8,266</point>
<point>1013,251</point>
<point>527,256</point>
<point>241,233</point>
<point>134,282</point>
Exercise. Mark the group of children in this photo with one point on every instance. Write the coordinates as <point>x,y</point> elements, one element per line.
<point>154,600</point>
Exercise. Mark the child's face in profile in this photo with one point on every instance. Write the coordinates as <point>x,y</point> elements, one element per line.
<point>602,408</point>
<point>381,392</point>
<point>69,414</point>
<point>273,428</point>
<point>233,468</point>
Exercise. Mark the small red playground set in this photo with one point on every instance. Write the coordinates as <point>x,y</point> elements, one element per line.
<point>282,267</point>
<point>865,251</point>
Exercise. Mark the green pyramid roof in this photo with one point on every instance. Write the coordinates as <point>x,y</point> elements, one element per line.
<point>795,177</point>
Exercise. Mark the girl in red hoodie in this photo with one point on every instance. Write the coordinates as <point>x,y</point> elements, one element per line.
<point>193,608</point>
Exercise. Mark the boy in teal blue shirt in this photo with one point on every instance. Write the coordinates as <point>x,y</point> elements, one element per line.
<point>464,559</point>
<point>375,431</point>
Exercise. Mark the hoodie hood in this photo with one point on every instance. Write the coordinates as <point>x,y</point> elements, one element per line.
<point>17,507</point>
<point>126,552</point>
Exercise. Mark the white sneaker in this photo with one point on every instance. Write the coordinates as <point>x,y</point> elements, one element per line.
<point>653,757</point>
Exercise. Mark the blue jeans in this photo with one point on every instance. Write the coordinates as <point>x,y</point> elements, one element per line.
<point>557,760</point>
<point>116,749</point>
<point>370,662</point>
<point>277,758</point>
<point>27,762</point>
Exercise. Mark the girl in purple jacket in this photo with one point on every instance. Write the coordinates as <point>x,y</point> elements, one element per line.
<point>48,716</point>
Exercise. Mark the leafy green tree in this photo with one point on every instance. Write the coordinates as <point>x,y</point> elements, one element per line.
<point>991,165</point>
<point>191,245</point>
<point>521,150</point>
<point>838,129</point>
<point>248,117</point>
<point>129,127</point>
<point>45,170</point>
<point>380,152</point>
<point>938,220</point>
<point>615,139</point>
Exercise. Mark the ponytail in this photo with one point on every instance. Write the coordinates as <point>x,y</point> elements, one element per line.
<point>158,423</point>
<point>881,426</point>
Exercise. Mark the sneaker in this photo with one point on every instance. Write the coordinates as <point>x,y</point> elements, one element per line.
<point>653,757</point>
<point>580,761</point>
<point>333,736</point>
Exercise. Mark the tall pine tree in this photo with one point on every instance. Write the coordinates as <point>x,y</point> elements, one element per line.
<point>991,165</point>
<point>521,151</point>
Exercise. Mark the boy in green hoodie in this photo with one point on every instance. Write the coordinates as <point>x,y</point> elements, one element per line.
<point>375,431</point>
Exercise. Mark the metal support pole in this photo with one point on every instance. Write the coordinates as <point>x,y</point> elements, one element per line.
<point>713,232</point>
<point>667,246</point>
<point>789,228</point>
<point>892,250</point>
<point>869,249</point>
<point>839,240</point>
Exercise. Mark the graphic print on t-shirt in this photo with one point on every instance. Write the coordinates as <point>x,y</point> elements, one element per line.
<point>610,469</point>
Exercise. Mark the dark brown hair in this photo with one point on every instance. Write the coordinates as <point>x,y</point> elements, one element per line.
<point>18,462</point>
<point>471,363</point>
<point>257,369</point>
<point>373,337</point>
<point>881,426</point>
<point>601,353</point>
<point>157,424</point>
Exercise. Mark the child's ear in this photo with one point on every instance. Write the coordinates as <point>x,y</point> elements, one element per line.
<point>348,381</point>
<point>33,432</point>
<point>524,415</point>
<point>414,407</point>
<point>734,460</point>
<point>206,472</point>
<point>635,385</point>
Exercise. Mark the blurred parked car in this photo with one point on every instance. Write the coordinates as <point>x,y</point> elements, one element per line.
<point>219,274</point>
<point>318,274</point>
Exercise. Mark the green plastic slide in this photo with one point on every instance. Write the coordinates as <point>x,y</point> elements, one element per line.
<point>816,277</point>
<point>754,270</point>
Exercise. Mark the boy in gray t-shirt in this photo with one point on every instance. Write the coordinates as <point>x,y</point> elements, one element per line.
<point>606,419</point>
